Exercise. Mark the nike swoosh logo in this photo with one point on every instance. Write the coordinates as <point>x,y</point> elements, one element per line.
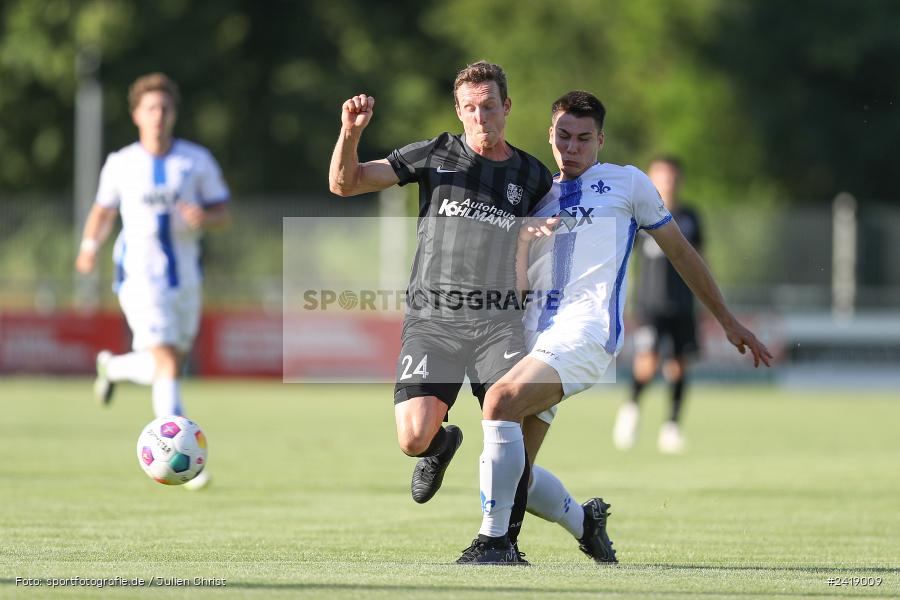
<point>441,169</point>
<point>508,355</point>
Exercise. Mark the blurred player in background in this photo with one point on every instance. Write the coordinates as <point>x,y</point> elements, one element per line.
<point>168,192</point>
<point>665,314</point>
<point>573,340</point>
<point>445,339</point>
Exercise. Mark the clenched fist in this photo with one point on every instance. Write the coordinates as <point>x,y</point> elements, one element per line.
<point>357,112</point>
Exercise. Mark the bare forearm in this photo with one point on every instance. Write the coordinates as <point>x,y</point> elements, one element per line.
<point>696,275</point>
<point>344,172</point>
<point>98,225</point>
<point>97,228</point>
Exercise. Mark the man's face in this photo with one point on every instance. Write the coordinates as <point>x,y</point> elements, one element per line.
<point>666,178</point>
<point>482,112</point>
<point>576,142</point>
<point>155,115</point>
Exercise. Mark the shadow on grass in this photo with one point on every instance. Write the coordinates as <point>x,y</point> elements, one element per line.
<point>599,589</point>
<point>428,591</point>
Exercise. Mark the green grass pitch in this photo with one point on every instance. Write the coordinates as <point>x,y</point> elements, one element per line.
<point>779,491</point>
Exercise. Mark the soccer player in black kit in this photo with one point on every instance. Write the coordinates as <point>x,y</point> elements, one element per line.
<point>665,311</point>
<point>473,190</point>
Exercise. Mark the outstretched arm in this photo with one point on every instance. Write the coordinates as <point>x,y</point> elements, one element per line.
<point>696,275</point>
<point>346,176</point>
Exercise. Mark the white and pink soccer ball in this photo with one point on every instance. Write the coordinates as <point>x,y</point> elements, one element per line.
<point>172,450</point>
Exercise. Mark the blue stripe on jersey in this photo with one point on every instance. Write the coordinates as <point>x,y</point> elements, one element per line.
<point>120,270</point>
<point>613,339</point>
<point>569,193</point>
<point>159,170</point>
<point>563,253</point>
<point>164,225</point>
<point>659,223</point>
<point>164,233</point>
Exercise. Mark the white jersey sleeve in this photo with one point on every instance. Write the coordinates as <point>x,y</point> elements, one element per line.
<point>212,186</point>
<point>648,207</point>
<point>108,192</point>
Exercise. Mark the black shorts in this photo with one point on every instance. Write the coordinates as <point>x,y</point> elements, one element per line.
<point>653,331</point>
<point>436,356</point>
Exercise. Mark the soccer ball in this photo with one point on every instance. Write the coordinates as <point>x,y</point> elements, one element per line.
<point>172,450</point>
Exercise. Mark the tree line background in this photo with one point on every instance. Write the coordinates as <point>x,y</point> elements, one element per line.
<point>766,101</point>
<point>773,106</point>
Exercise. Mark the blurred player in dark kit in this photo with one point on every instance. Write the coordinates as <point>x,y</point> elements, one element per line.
<point>665,317</point>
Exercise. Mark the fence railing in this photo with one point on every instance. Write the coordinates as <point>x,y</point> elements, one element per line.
<point>776,258</point>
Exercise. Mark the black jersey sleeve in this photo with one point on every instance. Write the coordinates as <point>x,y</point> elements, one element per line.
<point>410,159</point>
<point>544,187</point>
<point>538,179</point>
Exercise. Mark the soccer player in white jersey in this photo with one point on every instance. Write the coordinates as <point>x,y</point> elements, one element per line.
<point>575,331</point>
<point>168,192</point>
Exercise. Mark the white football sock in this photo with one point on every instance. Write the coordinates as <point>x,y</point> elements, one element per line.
<point>549,500</point>
<point>167,397</point>
<point>502,464</point>
<point>139,367</point>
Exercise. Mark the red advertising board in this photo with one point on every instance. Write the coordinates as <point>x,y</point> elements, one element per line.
<point>230,344</point>
<point>341,348</point>
<point>302,347</point>
<point>58,343</point>
<point>238,344</point>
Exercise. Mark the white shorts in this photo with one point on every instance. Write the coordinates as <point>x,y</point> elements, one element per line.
<point>577,357</point>
<point>167,317</point>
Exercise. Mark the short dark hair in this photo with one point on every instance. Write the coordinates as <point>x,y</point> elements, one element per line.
<point>669,159</point>
<point>153,82</point>
<point>580,104</point>
<point>481,72</point>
